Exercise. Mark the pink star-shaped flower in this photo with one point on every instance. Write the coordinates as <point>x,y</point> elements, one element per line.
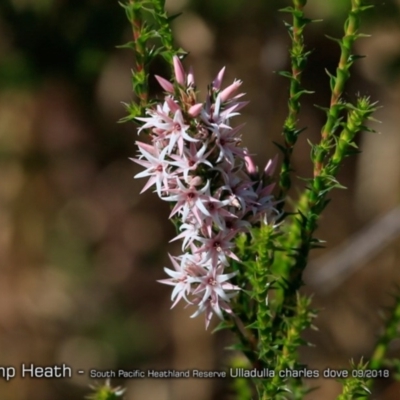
<point>157,168</point>
<point>189,200</point>
<point>218,247</point>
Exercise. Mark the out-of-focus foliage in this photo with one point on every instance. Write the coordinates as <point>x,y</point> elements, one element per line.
<point>69,39</point>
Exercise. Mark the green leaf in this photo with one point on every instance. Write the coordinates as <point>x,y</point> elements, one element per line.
<point>223,325</point>
<point>172,17</point>
<point>334,39</point>
<point>285,74</point>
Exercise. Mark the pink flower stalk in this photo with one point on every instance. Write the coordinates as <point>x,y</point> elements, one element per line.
<point>196,162</point>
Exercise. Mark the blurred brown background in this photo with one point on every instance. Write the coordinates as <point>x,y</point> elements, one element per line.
<point>80,250</point>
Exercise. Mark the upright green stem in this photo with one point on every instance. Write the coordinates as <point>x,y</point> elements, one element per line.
<point>298,58</point>
<point>313,200</point>
<point>310,204</point>
<point>338,82</point>
<point>355,387</point>
<point>152,36</point>
<point>390,333</point>
<point>299,241</point>
<point>287,356</point>
<point>136,19</point>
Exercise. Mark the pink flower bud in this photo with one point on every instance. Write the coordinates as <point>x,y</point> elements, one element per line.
<point>271,165</point>
<point>195,110</point>
<point>145,146</point>
<point>194,180</point>
<point>172,105</point>
<point>180,75</point>
<point>167,86</point>
<point>268,189</point>
<point>190,77</point>
<point>228,93</point>
<point>235,201</point>
<point>250,165</point>
<point>218,80</point>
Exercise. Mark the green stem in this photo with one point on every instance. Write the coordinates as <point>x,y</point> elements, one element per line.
<point>286,357</point>
<point>379,354</point>
<point>311,202</point>
<point>390,333</point>
<point>338,82</point>
<point>152,36</point>
<point>140,53</point>
<point>298,58</point>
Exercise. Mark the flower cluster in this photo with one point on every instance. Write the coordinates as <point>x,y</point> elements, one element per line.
<point>195,161</point>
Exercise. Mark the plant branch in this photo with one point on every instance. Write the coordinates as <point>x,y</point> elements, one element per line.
<point>298,58</point>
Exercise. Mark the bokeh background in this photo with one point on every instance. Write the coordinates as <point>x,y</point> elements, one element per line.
<point>80,250</point>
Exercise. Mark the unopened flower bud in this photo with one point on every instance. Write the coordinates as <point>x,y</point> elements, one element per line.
<point>271,165</point>
<point>190,78</point>
<point>194,180</point>
<point>195,110</point>
<point>179,71</point>
<point>172,105</point>
<point>250,165</point>
<point>228,93</point>
<point>235,202</point>
<point>167,86</point>
<point>218,80</point>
